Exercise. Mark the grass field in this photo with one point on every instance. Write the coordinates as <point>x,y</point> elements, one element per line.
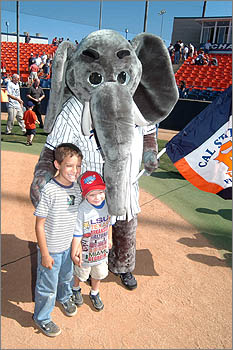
<point>208,213</point>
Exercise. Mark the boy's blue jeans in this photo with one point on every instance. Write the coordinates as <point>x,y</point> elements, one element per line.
<point>52,284</point>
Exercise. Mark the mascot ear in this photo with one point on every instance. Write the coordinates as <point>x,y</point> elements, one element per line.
<point>157,92</point>
<point>59,92</point>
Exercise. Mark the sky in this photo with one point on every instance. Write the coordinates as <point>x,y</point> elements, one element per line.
<point>76,19</point>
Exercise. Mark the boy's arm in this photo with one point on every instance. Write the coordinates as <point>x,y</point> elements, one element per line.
<point>47,260</point>
<point>76,250</point>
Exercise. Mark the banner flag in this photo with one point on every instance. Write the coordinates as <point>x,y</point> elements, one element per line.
<point>202,151</point>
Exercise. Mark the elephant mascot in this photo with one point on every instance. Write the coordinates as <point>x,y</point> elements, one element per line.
<point>107,94</point>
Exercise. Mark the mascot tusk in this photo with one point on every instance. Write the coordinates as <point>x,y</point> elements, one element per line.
<point>86,120</point>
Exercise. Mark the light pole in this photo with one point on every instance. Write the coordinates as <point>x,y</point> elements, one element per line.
<point>161,13</point>
<point>126,33</point>
<point>100,15</point>
<point>7,25</point>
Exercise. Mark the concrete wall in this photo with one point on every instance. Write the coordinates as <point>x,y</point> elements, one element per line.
<point>34,39</point>
<point>187,30</point>
<point>183,112</point>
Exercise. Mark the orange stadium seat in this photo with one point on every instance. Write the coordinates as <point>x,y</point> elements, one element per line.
<point>9,55</point>
<point>218,78</point>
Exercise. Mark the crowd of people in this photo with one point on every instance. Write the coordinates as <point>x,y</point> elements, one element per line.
<point>40,66</point>
<point>180,52</point>
<point>56,41</point>
<point>203,59</point>
<point>16,109</point>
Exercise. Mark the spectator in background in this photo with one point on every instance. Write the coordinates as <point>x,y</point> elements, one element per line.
<point>177,51</point>
<point>44,58</point>
<point>206,60</point>
<point>207,47</point>
<point>34,69</point>
<point>200,59</point>
<point>182,49</point>
<point>46,68</point>
<point>5,79</point>
<point>15,105</point>
<point>170,49</point>
<point>38,60</point>
<point>213,61</point>
<point>3,67</point>
<point>36,95</point>
<point>191,50</point>
<point>30,61</point>
<point>55,41</point>
<point>76,42</point>
<point>183,91</point>
<point>186,52</point>
<point>27,38</point>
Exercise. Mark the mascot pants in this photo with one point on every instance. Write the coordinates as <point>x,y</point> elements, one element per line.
<point>122,256</point>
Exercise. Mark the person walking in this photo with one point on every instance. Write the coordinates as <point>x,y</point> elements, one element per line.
<point>30,120</point>
<point>15,105</point>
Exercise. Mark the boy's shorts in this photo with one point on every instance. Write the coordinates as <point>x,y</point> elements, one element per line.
<point>98,272</point>
<point>30,131</point>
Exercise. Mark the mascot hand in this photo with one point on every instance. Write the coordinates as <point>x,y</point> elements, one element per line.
<point>150,161</point>
<point>44,171</point>
<point>150,150</point>
<point>36,187</point>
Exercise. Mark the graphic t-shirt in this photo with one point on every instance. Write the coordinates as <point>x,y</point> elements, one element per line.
<point>92,225</point>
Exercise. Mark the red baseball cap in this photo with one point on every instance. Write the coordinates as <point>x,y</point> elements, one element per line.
<point>90,181</point>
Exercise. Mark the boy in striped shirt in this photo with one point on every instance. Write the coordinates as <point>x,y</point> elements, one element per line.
<point>55,222</point>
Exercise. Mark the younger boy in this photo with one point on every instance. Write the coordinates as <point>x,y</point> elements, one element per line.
<point>93,228</point>
<point>30,120</point>
<point>55,221</point>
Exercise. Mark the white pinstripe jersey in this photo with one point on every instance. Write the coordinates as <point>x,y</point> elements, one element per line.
<point>67,128</point>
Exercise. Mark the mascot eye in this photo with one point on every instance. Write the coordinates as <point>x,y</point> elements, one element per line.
<point>123,78</point>
<point>95,79</point>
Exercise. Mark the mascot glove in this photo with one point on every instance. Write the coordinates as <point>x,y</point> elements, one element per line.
<point>36,187</point>
<point>150,160</point>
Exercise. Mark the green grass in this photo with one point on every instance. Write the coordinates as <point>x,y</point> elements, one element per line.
<point>208,213</point>
<point>17,141</point>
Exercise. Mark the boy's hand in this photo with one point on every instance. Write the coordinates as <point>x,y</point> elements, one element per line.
<point>77,257</point>
<point>47,261</point>
<point>77,261</point>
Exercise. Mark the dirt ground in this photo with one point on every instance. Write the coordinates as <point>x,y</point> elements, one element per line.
<point>180,303</point>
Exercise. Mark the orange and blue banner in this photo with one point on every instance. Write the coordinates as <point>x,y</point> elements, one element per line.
<point>202,151</point>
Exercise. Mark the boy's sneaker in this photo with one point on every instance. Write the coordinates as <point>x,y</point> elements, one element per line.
<point>70,308</point>
<point>96,301</point>
<point>77,297</point>
<point>128,280</point>
<point>50,329</point>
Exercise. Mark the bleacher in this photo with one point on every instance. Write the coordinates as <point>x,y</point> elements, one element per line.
<point>206,82</point>
<point>9,56</point>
